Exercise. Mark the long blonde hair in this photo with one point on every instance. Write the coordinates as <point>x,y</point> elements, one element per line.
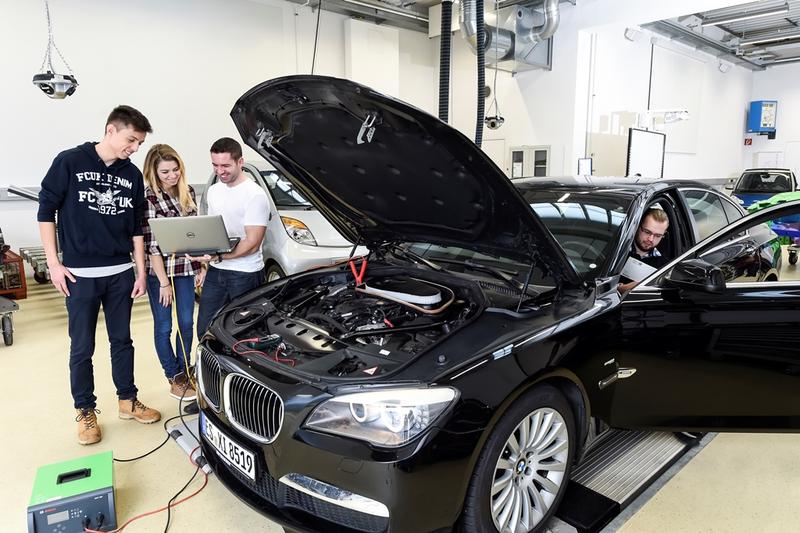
<point>164,152</point>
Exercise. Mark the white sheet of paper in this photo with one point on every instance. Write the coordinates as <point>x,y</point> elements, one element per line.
<point>636,270</point>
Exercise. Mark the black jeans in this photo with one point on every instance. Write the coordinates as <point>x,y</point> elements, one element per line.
<point>83,307</point>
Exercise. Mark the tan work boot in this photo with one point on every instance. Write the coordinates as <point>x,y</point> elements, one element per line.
<point>88,428</point>
<point>134,409</point>
<point>181,388</point>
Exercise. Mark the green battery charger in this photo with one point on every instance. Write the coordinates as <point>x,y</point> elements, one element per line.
<point>73,495</point>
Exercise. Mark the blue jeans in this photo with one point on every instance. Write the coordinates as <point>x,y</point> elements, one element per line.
<point>83,306</point>
<point>172,361</point>
<point>219,288</point>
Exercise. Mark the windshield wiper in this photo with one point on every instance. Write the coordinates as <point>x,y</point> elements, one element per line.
<point>499,273</point>
<point>397,249</point>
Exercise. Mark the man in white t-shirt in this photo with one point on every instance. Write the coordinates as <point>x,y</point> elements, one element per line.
<point>244,208</point>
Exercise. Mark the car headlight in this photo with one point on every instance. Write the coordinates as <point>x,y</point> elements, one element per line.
<point>298,231</point>
<point>384,417</point>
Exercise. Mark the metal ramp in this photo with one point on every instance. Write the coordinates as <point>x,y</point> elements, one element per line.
<point>612,474</point>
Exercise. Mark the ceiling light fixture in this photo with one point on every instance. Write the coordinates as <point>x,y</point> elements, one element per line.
<point>631,34</point>
<point>785,60</point>
<point>772,37</point>
<point>57,86</point>
<point>745,15</point>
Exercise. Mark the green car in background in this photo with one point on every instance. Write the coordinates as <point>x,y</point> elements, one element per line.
<point>787,228</point>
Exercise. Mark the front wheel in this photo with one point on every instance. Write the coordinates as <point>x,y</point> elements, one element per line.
<point>523,470</point>
<point>274,272</point>
<point>8,331</point>
<point>792,258</point>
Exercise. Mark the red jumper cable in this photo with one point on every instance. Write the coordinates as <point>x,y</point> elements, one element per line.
<point>360,274</point>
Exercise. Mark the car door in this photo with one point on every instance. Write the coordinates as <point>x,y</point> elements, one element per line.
<point>722,357</point>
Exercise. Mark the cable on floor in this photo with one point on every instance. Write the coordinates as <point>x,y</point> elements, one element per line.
<point>154,449</point>
<point>192,495</point>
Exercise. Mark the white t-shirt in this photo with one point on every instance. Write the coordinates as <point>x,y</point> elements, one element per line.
<point>242,205</point>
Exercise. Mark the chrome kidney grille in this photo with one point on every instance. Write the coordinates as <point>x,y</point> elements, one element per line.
<point>253,408</point>
<point>209,376</point>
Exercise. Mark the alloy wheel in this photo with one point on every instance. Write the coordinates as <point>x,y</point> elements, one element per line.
<point>530,471</point>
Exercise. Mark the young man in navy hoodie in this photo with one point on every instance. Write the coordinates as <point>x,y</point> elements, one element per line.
<point>98,195</point>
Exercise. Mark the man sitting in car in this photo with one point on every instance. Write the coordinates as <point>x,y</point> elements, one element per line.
<point>644,257</point>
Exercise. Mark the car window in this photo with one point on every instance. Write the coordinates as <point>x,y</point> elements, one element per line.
<point>764,182</point>
<point>707,211</point>
<point>585,223</point>
<point>250,175</point>
<point>283,192</point>
<point>731,211</point>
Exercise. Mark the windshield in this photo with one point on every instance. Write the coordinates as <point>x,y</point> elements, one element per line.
<point>585,223</point>
<point>764,182</point>
<point>283,192</point>
<point>450,257</point>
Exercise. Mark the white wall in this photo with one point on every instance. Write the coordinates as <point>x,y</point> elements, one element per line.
<point>707,145</point>
<point>558,107</point>
<point>183,63</point>
<point>778,83</point>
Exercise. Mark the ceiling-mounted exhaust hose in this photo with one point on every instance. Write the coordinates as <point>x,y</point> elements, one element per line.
<point>481,41</point>
<point>444,60</point>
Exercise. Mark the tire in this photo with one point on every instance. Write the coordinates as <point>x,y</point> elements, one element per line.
<point>274,272</point>
<point>506,473</point>
<point>8,331</point>
<point>40,277</point>
<point>792,258</point>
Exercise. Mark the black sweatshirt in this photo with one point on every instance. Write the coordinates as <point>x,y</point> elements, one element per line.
<point>100,208</point>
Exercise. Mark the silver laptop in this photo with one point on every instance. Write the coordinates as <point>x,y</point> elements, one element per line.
<point>196,235</point>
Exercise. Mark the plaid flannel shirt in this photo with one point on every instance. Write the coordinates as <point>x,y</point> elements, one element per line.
<point>166,206</point>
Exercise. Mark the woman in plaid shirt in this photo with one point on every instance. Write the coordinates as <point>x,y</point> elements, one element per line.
<point>169,195</point>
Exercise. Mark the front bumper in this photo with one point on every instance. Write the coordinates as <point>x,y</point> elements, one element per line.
<point>286,504</point>
<point>420,487</point>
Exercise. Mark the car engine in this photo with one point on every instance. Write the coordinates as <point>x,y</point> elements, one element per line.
<point>329,324</point>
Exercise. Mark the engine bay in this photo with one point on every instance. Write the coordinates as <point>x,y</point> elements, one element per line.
<point>330,324</point>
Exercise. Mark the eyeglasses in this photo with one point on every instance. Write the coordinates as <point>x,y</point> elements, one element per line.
<point>651,234</point>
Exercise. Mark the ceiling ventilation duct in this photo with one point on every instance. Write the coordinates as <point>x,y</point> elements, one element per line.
<point>520,40</point>
<point>499,42</point>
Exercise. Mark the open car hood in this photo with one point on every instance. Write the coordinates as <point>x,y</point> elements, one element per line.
<point>381,170</point>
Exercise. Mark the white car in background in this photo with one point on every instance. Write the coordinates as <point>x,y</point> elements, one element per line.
<point>298,237</point>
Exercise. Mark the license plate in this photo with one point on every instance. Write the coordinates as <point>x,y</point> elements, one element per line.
<point>228,449</point>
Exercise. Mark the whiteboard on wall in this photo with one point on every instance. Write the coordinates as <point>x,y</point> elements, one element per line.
<point>645,153</point>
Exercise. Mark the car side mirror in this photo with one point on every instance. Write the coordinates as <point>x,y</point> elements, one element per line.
<point>696,275</point>
<point>729,187</point>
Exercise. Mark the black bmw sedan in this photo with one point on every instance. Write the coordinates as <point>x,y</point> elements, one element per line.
<point>449,379</point>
